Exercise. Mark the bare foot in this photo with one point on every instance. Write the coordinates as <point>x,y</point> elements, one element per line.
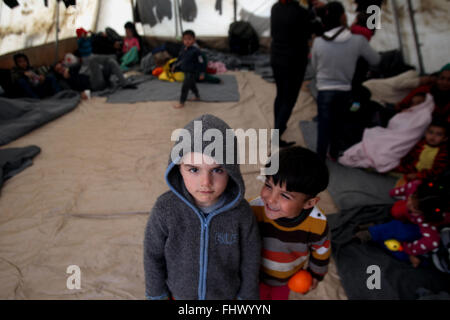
<point>178,106</point>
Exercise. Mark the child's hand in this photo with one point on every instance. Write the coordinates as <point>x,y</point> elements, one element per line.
<point>202,77</point>
<point>414,261</point>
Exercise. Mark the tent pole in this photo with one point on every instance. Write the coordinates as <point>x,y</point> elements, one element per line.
<point>175,11</point>
<point>97,15</point>
<point>416,37</point>
<point>57,31</point>
<point>397,27</point>
<point>235,9</point>
<point>180,17</point>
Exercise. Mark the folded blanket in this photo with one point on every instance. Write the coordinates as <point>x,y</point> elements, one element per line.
<point>382,148</point>
<point>15,160</point>
<point>20,116</point>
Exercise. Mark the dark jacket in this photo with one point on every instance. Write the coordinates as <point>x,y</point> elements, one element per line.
<point>290,29</point>
<point>77,81</point>
<point>190,60</point>
<point>188,255</point>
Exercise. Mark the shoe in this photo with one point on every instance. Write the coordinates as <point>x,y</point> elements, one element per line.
<point>285,144</point>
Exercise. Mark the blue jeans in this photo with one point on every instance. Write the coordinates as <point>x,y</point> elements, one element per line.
<point>395,229</point>
<point>332,107</point>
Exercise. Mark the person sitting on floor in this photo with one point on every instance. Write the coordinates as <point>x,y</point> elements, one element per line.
<point>130,46</point>
<point>439,89</point>
<point>29,82</point>
<point>429,157</point>
<point>96,77</point>
<point>416,223</point>
<point>84,43</point>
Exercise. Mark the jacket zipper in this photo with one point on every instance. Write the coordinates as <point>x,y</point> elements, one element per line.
<point>204,264</point>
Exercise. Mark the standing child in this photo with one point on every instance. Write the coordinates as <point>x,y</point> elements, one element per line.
<point>202,241</point>
<point>334,57</point>
<point>292,227</point>
<point>190,62</point>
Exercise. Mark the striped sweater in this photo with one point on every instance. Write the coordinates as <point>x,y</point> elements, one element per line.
<point>287,244</point>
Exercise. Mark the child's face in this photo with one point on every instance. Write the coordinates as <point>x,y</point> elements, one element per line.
<point>280,203</point>
<point>443,81</point>
<point>206,181</point>
<point>188,40</point>
<point>434,136</point>
<point>128,33</point>
<point>412,205</point>
<point>22,63</point>
<point>418,99</point>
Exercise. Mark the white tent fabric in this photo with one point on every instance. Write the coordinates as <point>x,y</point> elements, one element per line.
<point>32,24</point>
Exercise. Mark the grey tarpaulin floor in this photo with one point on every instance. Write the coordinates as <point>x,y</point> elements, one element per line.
<point>157,90</point>
<point>351,187</point>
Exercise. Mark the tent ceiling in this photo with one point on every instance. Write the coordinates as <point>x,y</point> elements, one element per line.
<point>32,23</point>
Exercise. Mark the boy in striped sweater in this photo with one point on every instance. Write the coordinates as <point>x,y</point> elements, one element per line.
<point>291,225</point>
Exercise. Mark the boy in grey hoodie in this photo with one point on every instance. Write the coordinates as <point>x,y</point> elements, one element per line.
<point>334,57</point>
<point>202,240</point>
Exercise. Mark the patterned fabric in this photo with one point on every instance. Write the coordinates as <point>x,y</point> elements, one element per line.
<point>288,243</point>
<point>409,163</point>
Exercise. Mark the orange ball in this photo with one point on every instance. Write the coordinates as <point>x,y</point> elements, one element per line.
<point>300,282</point>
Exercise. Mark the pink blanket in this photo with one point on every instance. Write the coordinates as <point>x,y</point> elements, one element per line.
<point>382,148</point>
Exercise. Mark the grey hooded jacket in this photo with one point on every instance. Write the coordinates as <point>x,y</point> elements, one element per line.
<point>188,255</point>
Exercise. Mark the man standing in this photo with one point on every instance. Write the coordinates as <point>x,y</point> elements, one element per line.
<point>290,31</point>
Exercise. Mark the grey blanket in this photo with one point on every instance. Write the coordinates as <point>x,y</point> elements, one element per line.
<point>152,89</point>
<point>15,160</point>
<point>20,116</point>
<point>398,279</point>
<point>351,187</point>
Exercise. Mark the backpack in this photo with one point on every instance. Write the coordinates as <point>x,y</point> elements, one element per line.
<point>242,38</point>
<point>441,256</point>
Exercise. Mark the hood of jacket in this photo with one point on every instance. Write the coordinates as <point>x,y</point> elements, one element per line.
<point>207,133</point>
<point>345,35</point>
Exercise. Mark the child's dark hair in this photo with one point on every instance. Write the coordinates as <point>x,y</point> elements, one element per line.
<point>432,199</point>
<point>333,13</point>
<point>440,123</point>
<point>130,25</point>
<point>18,56</point>
<point>301,170</point>
<point>189,33</point>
